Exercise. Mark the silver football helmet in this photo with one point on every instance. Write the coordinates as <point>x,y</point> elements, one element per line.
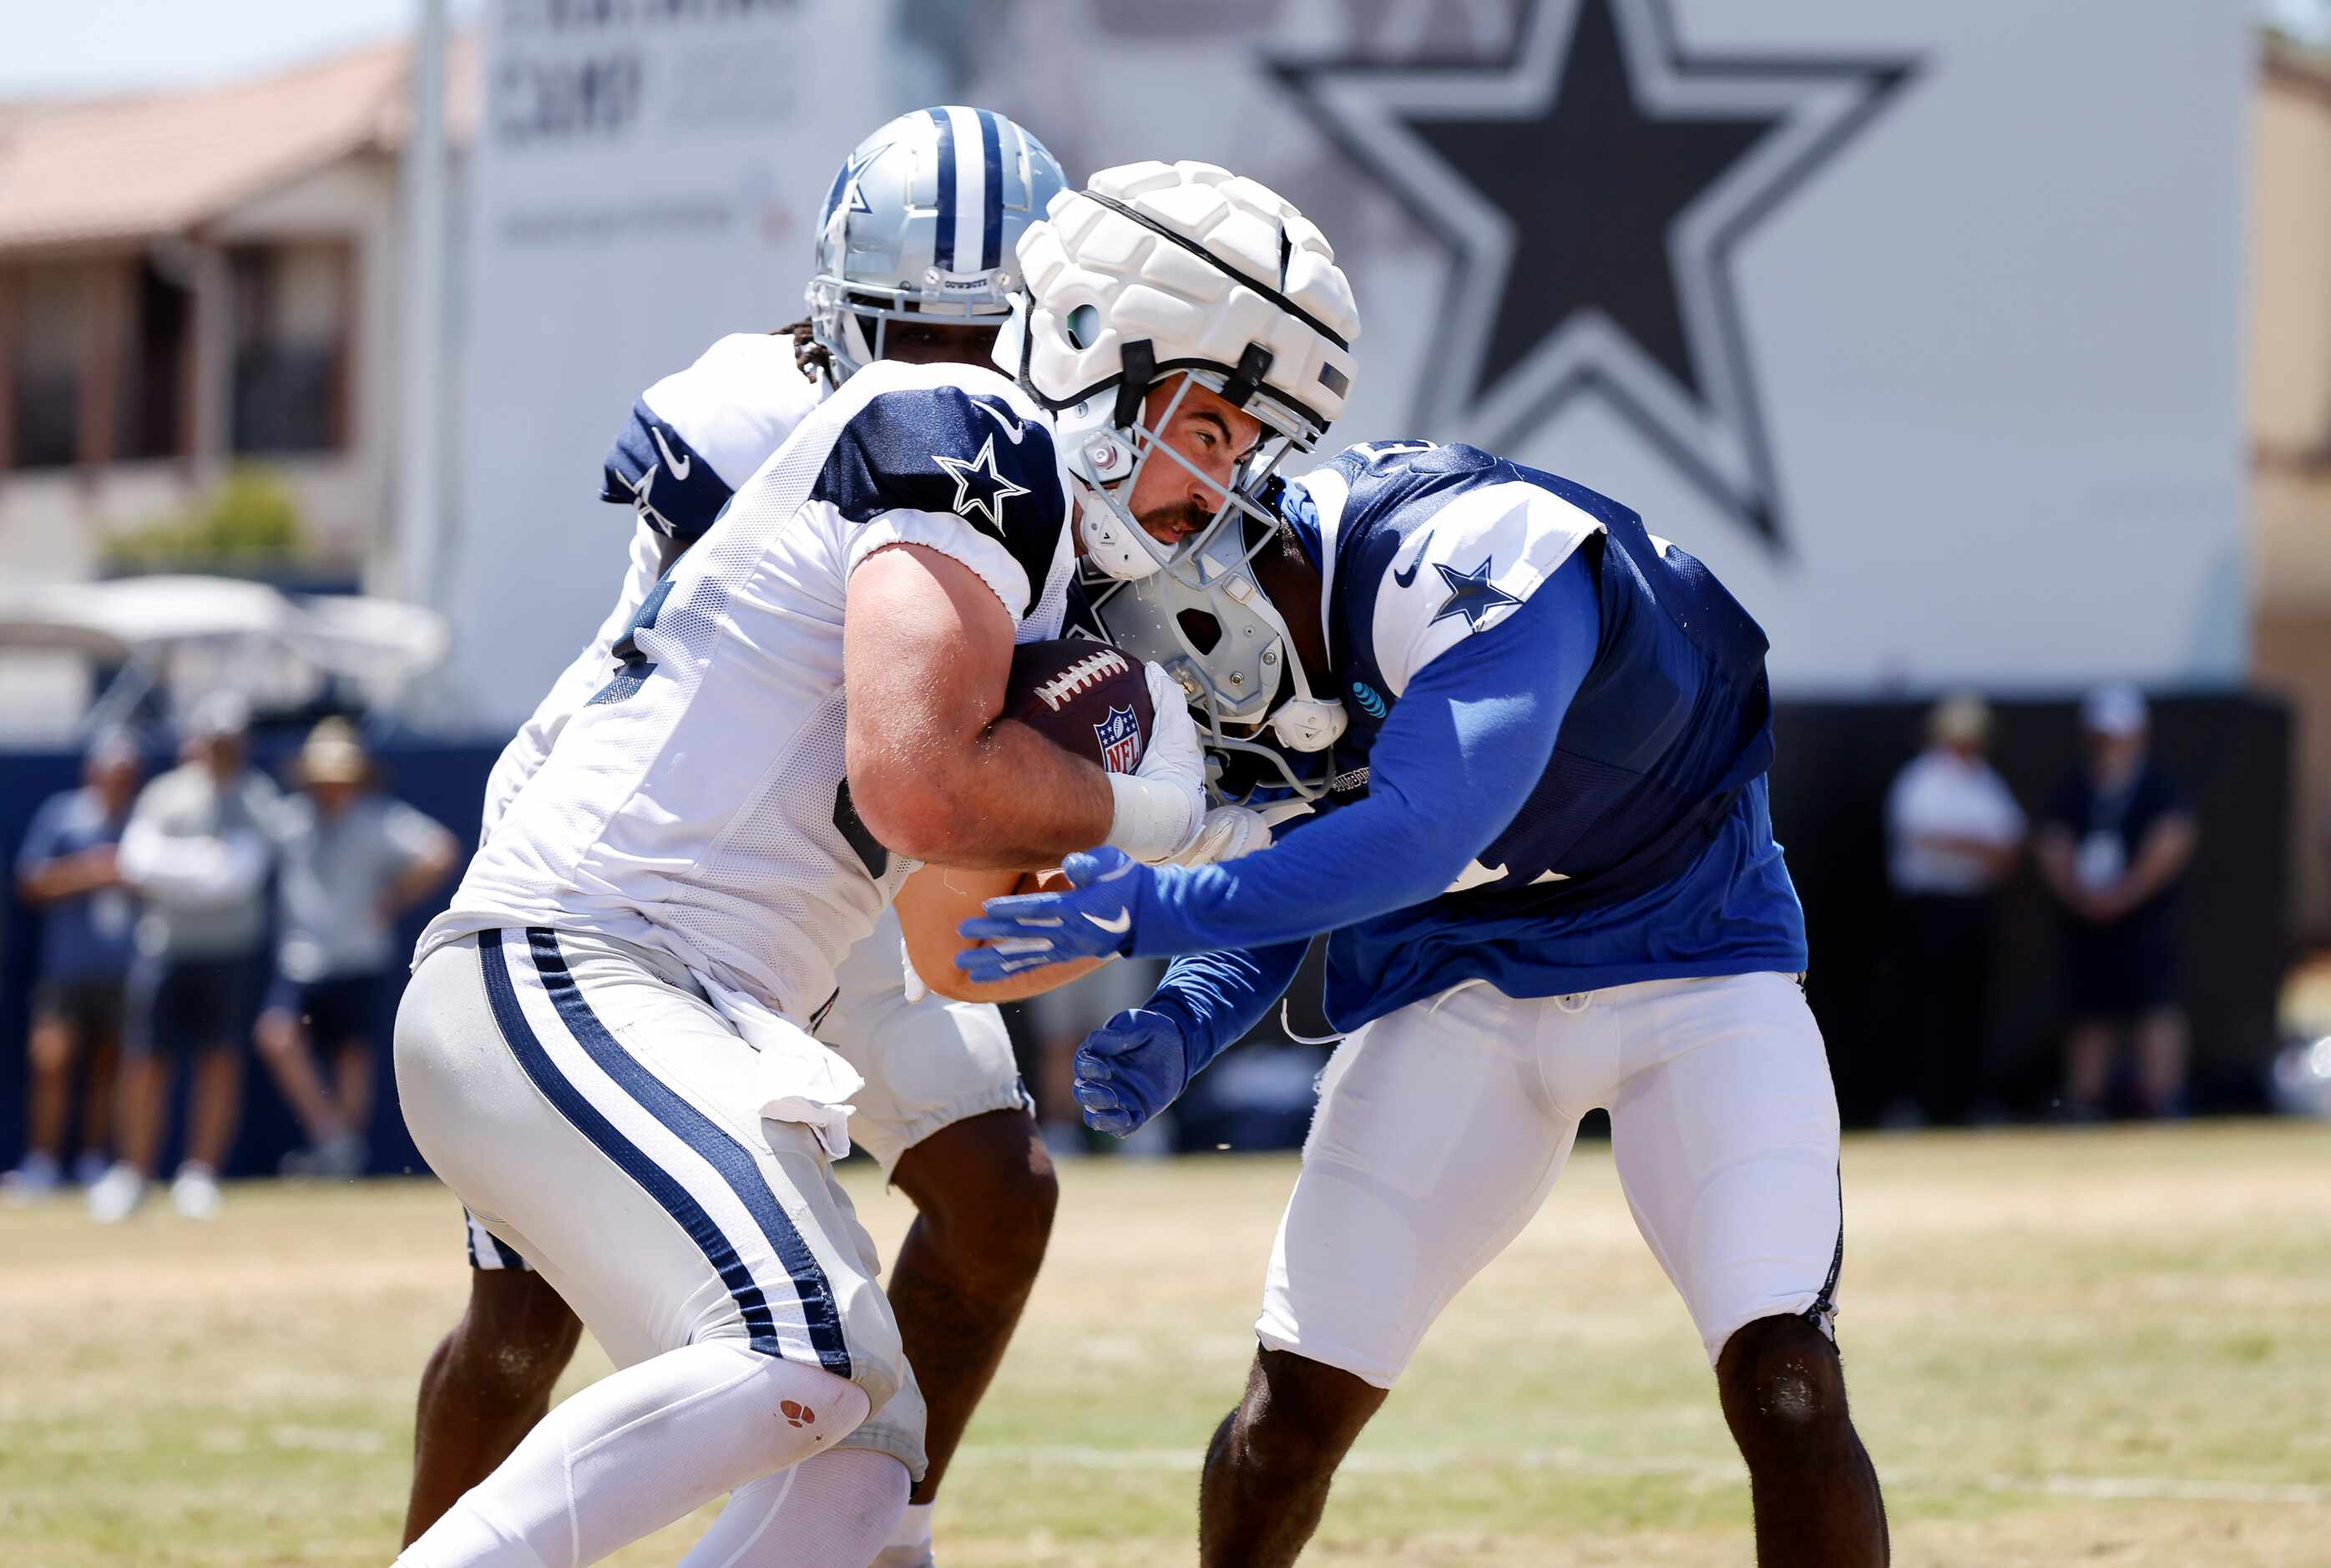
<point>923,222</point>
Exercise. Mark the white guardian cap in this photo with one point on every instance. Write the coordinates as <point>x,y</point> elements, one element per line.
<point>1157,270</point>
<point>922,223</point>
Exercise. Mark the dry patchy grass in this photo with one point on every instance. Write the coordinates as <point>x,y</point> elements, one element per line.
<point>2109,1347</point>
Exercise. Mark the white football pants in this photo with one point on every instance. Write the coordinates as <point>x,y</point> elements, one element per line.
<point>1443,1126</point>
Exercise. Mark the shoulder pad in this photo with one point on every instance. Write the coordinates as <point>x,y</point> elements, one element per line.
<point>948,450</point>
<point>1363,455</point>
<point>1462,568</point>
<point>699,433</point>
<point>653,465</point>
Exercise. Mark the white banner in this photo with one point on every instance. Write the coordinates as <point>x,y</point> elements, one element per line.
<point>1920,323</point>
<point>647,177</point>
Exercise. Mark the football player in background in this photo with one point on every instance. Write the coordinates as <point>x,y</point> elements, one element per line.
<point>606,1049</point>
<point>1543,849</point>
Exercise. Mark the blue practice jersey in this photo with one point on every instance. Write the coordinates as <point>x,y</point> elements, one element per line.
<point>1644,851</point>
<point>1553,779</point>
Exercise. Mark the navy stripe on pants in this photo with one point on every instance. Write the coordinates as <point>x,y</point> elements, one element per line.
<point>658,1183</point>
<point>821,1313</point>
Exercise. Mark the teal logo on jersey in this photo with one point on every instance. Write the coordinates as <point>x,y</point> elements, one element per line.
<point>1370,702</point>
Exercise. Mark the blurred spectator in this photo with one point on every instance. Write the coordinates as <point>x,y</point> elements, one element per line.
<point>1954,833</point>
<point>2113,847</point>
<point>67,870</point>
<point>197,849</point>
<point>352,861</point>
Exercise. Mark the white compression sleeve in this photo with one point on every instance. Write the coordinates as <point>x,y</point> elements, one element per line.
<point>636,1451</point>
<point>911,1539</point>
<point>834,1508</point>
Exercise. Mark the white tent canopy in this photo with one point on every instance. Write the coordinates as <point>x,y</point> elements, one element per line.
<point>194,635</point>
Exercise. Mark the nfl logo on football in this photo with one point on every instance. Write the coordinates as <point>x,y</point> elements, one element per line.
<point>1120,740</point>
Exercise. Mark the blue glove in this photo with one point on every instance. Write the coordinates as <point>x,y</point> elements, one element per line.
<point>1130,1069</point>
<point>1093,920</point>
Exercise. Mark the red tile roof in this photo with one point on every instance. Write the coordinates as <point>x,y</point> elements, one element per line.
<point>124,169</point>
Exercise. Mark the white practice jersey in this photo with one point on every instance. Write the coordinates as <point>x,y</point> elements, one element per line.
<point>690,441</point>
<point>695,802</point>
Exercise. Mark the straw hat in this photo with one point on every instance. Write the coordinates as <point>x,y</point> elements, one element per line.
<point>332,755</point>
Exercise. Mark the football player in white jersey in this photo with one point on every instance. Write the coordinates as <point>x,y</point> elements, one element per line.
<point>605,1050</point>
<point>942,1110</point>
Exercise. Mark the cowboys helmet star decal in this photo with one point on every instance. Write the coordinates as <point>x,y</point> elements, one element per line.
<point>978,488</point>
<point>845,188</point>
<point>1593,186</point>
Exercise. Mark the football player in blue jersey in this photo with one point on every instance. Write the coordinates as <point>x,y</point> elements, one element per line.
<point>1533,739</point>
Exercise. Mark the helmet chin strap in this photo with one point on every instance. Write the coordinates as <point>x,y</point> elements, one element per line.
<point>1307,723</point>
<point>1109,540</point>
<point>1108,445</point>
<point>1303,722</point>
<point>1115,546</point>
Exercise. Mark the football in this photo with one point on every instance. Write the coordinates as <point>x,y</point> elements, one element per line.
<point>1084,695</point>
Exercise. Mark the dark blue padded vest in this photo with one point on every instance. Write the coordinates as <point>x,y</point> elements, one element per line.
<point>1673,721</point>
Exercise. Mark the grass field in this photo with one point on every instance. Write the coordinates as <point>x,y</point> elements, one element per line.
<point>2109,1347</point>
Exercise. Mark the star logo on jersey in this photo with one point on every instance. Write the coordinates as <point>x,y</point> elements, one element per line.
<point>978,488</point>
<point>1470,595</point>
<point>1593,186</point>
<point>642,500</point>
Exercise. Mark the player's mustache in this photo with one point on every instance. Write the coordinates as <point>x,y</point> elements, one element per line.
<point>1182,518</point>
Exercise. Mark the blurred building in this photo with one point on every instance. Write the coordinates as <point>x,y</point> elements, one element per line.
<point>190,278</point>
<point>2290,434</point>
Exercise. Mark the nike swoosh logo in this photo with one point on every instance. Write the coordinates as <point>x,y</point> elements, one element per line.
<point>675,467</point>
<point>1012,430</point>
<point>1117,927</point>
<point>1405,578</point>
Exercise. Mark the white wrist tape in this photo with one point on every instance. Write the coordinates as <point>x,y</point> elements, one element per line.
<point>1154,819</point>
<point>1226,834</point>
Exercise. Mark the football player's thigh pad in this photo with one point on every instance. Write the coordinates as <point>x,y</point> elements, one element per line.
<point>927,1064</point>
<point>591,1106</point>
<point>1726,1137</point>
<point>1434,1145</point>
